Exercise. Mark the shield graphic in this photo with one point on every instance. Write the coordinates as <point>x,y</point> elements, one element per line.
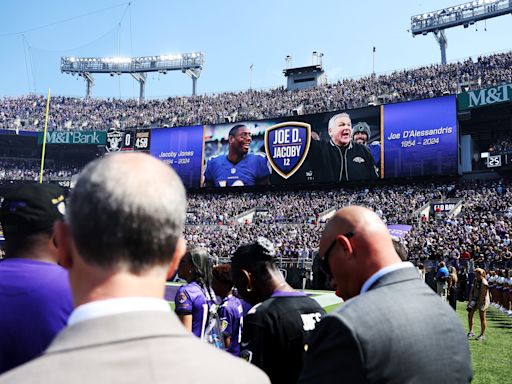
<point>114,140</point>
<point>287,145</point>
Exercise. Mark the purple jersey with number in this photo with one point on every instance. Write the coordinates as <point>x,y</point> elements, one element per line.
<point>220,172</point>
<point>191,300</point>
<point>35,303</point>
<point>231,319</point>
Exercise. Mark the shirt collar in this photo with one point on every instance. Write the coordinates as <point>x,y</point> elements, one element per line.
<point>116,306</point>
<point>384,271</point>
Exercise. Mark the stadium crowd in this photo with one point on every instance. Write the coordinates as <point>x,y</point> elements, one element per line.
<point>27,112</point>
<point>294,220</point>
<point>28,169</point>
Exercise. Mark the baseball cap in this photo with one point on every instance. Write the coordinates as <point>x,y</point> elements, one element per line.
<point>362,126</point>
<point>31,208</point>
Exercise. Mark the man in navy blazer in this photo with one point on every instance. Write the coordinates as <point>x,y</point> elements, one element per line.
<point>392,327</point>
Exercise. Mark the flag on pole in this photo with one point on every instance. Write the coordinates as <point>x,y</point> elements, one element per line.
<point>373,49</point>
<point>251,67</point>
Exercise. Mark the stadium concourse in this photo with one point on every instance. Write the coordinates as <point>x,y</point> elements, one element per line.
<point>69,113</point>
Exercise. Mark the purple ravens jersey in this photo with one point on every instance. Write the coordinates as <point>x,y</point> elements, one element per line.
<point>231,320</point>
<point>191,300</point>
<point>220,172</point>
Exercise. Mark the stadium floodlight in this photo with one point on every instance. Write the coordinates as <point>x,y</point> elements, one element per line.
<point>138,67</point>
<point>465,14</point>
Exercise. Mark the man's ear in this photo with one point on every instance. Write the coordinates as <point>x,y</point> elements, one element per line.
<point>181,248</point>
<point>248,279</point>
<point>345,244</point>
<point>62,241</point>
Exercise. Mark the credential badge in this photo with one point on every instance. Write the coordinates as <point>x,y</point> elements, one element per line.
<point>287,145</point>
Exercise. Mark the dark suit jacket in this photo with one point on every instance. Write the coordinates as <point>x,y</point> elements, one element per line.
<point>137,347</point>
<point>398,332</point>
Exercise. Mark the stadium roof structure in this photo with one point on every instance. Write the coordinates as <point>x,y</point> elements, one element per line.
<point>188,63</point>
<point>464,14</point>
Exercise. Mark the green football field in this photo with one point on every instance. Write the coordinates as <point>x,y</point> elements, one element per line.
<point>492,357</point>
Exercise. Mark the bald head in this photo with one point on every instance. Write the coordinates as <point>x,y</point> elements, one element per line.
<point>127,210</point>
<point>359,244</point>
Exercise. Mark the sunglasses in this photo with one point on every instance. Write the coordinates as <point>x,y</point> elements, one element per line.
<point>324,261</point>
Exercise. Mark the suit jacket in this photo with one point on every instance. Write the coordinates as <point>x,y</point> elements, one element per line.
<point>136,347</point>
<point>399,331</point>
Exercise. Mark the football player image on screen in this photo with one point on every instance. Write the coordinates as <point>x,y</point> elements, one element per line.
<point>238,167</point>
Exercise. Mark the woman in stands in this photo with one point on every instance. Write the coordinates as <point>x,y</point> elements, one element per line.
<point>194,300</point>
<point>276,330</point>
<point>479,299</point>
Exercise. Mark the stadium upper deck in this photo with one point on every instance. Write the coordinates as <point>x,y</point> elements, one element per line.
<point>27,112</point>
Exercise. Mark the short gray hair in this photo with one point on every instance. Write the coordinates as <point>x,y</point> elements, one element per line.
<point>333,119</point>
<point>127,210</point>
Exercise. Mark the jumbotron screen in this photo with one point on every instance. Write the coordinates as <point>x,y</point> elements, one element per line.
<point>417,138</point>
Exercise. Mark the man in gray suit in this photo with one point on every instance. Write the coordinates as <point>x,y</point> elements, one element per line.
<point>121,238</point>
<point>392,327</point>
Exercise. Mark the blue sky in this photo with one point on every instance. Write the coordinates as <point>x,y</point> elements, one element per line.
<point>232,34</point>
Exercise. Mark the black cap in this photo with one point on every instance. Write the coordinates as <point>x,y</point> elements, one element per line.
<point>31,208</point>
<point>362,126</point>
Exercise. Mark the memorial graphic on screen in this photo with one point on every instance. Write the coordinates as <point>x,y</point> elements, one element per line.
<point>420,138</point>
<point>182,149</point>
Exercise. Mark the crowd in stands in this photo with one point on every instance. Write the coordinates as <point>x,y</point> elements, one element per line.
<point>27,113</point>
<point>28,170</point>
<point>481,231</point>
<point>293,220</point>
<point>501,145</point>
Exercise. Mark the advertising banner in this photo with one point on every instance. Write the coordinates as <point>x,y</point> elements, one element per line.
<point>78,137</point>
<point>420,138</point>
<point>485,97</point>
<point>182,149</point>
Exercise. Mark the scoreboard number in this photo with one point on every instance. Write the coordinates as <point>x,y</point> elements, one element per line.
<point>142,143</point>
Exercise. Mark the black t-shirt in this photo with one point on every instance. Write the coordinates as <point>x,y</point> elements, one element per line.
<point>276,332</point>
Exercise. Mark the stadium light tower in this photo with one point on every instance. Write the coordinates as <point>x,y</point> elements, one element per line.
<point>465,14</point>
<point>188,63</point>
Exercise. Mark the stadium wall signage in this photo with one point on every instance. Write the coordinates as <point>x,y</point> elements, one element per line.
<point>79,137</point>
<point>484,97</point>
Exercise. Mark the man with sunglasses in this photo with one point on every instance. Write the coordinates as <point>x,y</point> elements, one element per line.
<point>383,331</point>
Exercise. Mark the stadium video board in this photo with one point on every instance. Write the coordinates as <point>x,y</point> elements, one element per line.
<point>416,138</point>
<point>420,138</point>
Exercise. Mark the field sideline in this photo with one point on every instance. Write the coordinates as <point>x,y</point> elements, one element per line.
<point>491,358</point>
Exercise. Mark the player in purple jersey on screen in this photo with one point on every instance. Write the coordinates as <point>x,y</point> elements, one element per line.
<point>230,311</point>
<point>239,167</point>
<point>193,300</point>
